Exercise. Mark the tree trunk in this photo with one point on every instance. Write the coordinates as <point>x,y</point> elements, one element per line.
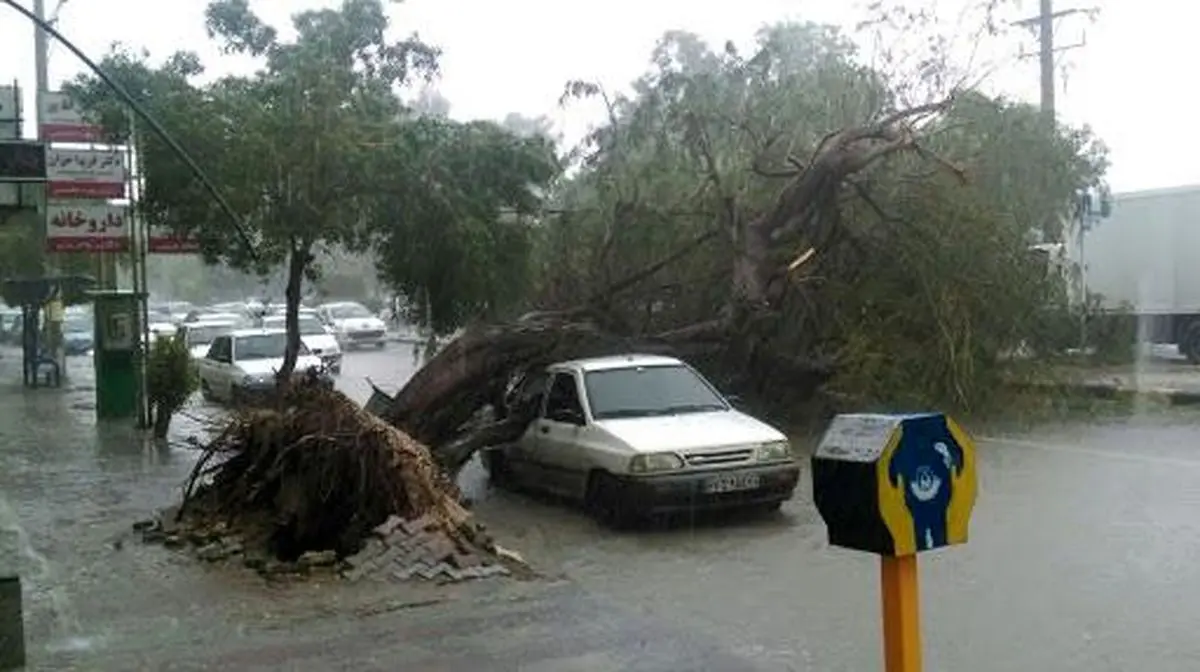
<point>297,262</point>
<point>162,421</point>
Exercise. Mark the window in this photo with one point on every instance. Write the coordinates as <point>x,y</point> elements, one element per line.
<point>204,334</point>
<point>562,404</point>
<point>344,311</point>
<point>309,325</point>
<point>219,350</point>
<point>263,346</point>
<point>649,390</point>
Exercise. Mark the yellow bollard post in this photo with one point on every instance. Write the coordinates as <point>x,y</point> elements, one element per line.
<point>900,591</point>
<point>896,486</point>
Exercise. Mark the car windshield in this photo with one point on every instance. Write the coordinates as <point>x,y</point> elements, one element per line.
<point>649,390</point>
<point>262,346</point>
<point>204,334</point>
<point>348,310</point>
<point>309,326</point>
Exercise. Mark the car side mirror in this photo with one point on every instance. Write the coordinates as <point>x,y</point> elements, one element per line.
<point>733,399</point>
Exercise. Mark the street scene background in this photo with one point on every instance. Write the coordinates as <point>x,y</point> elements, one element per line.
<point>1079,559</point>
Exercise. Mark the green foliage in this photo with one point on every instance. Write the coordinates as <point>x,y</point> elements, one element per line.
<point>171,379</point>
<point>460,207</point>
<point>320,153</point>
<point>926,283</point>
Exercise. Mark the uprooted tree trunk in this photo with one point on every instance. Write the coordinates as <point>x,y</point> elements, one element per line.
<point>441,405</point>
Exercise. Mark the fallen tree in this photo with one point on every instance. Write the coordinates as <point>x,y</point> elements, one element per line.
<point>442,405</point>
<point>316,473</point>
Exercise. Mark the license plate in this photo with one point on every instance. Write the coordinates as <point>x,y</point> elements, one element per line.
<point>731,483</point>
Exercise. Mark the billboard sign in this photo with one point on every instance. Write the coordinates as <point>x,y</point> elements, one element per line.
<point>22,161</point>
<point>62,121</point>
<point>85,173</point>
<point>163,240</point>
<point>86,226</point>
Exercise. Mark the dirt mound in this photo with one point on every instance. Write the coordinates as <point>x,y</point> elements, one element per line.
<point>316,473</point>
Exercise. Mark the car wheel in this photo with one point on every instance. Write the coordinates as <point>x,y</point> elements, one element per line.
<point>604,502</point>
<point>336,370</point>
<point>499,474</point>
<point>205,391</point>
<point>236,396</point>
<point>379,345</point>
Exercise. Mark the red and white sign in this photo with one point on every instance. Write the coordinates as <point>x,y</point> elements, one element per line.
<point>86,227</point>
<point>165,241</point>
<point>85,173</point>
<point>62,121</point>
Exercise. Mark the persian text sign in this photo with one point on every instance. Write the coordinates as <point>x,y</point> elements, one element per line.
<point>86,227</point>
<point>166,241</point>
<point>85,173</point>
<point>62,121</point>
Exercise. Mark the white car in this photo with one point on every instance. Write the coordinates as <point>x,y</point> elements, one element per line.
<point>353,324</point>
<point>316,338</point>
<point>199,335</point>
<point>640,434</point>
<point>241,365</point>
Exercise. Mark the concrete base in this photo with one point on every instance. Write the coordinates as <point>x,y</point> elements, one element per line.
<point>12,624</point>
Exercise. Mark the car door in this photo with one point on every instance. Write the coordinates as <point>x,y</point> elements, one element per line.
<point>556,450</point>
<point>219,364</point>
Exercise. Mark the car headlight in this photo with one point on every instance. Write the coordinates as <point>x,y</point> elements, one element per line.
<point>774,451</point>
<point>253,380</point>
<point>652,462</point>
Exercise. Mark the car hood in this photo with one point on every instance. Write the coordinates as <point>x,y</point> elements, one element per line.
<point>268,367</point>
<point>690,432</point>
<point>359,324</point>
<point>199,351</point>
<point>322,343</point>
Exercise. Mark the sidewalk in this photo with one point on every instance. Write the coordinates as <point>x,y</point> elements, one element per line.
<point>1170,382</point>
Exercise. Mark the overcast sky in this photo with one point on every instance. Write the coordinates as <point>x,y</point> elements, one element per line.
<point>515,55</point>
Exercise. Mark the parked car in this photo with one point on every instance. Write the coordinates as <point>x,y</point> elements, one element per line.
<point>199,335</point>
<point>78,334</point>
<point>205,315</point>
<point>638,434</point>
<point>240,367</point>
<point>316,337</point>
<point>353,324</point>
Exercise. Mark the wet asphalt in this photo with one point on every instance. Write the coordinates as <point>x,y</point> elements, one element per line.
<point>1081,558</point>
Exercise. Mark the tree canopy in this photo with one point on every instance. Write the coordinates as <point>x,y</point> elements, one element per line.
<point>907,277</point>
<point>809,219</point>
<point>318,151</point>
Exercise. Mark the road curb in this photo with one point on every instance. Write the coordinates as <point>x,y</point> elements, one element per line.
<point>1117,391</point>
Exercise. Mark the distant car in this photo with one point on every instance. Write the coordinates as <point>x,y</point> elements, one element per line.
<point>210,316</point>
<point>78,332</point>
<point>353,324</point>
<point>240,367</point>
<point>161,329</point>
<point>316,338</point>
<point>640,434</point>
<point>199,335</point>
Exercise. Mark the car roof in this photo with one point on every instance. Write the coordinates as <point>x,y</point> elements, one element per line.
<point>243,333</point>
<point>337,304</point>
<point>213,322</point>
<point>628,361</point>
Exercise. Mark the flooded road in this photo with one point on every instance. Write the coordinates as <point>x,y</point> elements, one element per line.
<point>1081,558</point>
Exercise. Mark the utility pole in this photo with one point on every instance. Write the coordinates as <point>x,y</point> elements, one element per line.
<point>1043,24</point>
<point>41,64</point>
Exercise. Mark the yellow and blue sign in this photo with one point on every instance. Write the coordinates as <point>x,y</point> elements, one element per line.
<point>895,485</point>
